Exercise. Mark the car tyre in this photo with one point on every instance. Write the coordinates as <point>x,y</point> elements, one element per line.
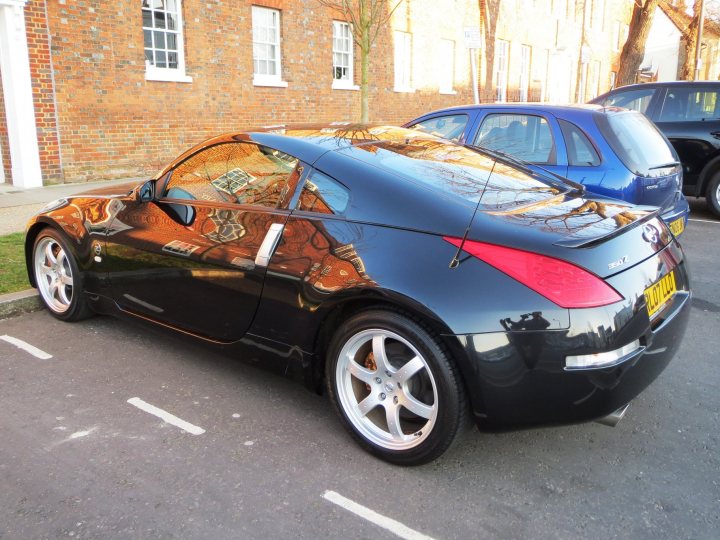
<point>394,387</point>
<point>712,195</point>
<point>58,277</point>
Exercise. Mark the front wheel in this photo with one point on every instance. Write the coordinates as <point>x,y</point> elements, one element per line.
<point>58,277</point>
<point>712,195</point>
<point>394,387</point>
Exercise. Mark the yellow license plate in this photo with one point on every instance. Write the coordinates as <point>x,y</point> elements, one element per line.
<point>677,226</point>
<point>657,294</point>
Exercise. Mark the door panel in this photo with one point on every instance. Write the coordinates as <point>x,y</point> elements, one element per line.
<point>688,116</point>
<point>201,277</point>
<point>191,258</point>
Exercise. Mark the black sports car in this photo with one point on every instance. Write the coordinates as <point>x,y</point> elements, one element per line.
<point>419,281</point>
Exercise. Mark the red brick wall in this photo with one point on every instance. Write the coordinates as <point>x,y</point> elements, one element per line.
<point>43,93</point>
<point>115,123</point>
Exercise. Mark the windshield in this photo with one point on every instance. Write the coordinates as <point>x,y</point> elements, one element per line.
<point>637,142</point>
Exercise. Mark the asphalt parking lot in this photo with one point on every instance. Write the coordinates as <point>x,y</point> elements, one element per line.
<point>119,432</point>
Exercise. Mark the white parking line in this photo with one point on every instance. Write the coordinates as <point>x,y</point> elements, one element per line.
<point>386,523</point>
<point>166,416</point>
<point>20,344</point>
<point>705,221</point>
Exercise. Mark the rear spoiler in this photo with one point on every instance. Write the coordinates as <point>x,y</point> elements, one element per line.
<point>652,212</point>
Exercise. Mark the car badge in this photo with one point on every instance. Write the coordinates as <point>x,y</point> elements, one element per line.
<point>617,263</point>
<point>650,234</point>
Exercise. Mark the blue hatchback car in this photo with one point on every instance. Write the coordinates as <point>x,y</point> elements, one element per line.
<point>611,151</point>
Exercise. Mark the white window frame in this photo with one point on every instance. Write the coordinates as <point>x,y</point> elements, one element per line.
<point>264,79</point>
<point>447,67</point>
<point>403,61</point>
<point>349,82</point>
<point>167,74</point>
<point>502,60</point>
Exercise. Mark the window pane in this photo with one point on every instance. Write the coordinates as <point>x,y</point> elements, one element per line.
<point>523,136</point>
<point>581,152</point>
<point>449,127</point>
<point>241,173</point>
<point>638,100</point>
<point>147,18</point>
<point>149,56</point>
<point>147,38</point>
<point>159,19</point>
<point>324,195</point>
<point>173,60</point>
<point>159,40</point>
<point>172,22</point>
<point>160,59</point>
<point>172,42</point>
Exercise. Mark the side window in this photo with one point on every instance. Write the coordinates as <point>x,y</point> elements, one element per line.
<point>637,100</point>
<point>448,127</point>
<point>324,195</point>
<point>523,136</point>
<point>581,152</point>
<point>688,105</point>
<point>242,173</point>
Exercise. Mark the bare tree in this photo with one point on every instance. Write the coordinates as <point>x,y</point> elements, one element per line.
<point>689,38</point>
<point>367,18</point>
<point>634,49</point>
<point>489,14</point>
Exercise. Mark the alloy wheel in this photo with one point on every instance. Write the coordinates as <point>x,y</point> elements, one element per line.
<point>386,389</point>
<point>53,274</point>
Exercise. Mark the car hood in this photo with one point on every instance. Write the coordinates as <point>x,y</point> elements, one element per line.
<point>107,192</point>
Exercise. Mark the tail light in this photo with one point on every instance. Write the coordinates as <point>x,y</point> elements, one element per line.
<point>561,282</point>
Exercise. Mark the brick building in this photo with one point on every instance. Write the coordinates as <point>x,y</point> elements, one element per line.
<point>94,89</point>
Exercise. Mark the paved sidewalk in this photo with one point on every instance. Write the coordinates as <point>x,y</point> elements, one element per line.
<point>18,205</point>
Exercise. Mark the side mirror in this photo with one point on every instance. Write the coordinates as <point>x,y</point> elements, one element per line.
<point>146,193</point>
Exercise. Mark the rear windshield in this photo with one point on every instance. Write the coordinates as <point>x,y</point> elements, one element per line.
<point>637,142</point>
<point>460,172</point>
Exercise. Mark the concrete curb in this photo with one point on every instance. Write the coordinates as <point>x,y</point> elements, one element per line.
<point>17,303</point>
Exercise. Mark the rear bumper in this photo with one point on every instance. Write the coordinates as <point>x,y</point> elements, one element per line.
<point>519,378</point>
<point>681,209</point>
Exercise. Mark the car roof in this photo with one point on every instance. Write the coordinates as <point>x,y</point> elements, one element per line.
<point>308,142</point>
<point>590,108</point>
<point>668,84</point>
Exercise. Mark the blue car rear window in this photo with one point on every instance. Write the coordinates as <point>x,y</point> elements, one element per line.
<point>636,141</point>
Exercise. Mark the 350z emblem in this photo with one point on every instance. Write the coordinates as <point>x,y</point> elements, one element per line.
<point>617,263</point>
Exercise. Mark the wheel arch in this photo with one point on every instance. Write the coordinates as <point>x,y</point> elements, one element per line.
<point>707,173</point>
<point>343,309</point>
<point>42,223</point>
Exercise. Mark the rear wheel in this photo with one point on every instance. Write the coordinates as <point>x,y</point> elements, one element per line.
<point>712,195</point>
<point>394,387</point>
<point>58,277</point>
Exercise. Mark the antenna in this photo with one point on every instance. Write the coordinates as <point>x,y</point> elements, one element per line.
<point>455,261</point>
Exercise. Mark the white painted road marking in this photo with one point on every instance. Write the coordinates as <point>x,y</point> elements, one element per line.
<point>705,221</point>
<point>20,344</point>
<point>166,416</point>
<point>386,523</point>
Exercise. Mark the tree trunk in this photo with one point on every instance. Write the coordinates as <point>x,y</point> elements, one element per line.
<point>489,14</point>
<point>365,74</point>
<point>634,48</point>
<point>687,69</point>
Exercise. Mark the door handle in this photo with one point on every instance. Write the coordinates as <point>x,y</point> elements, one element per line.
<point>269,243</point>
